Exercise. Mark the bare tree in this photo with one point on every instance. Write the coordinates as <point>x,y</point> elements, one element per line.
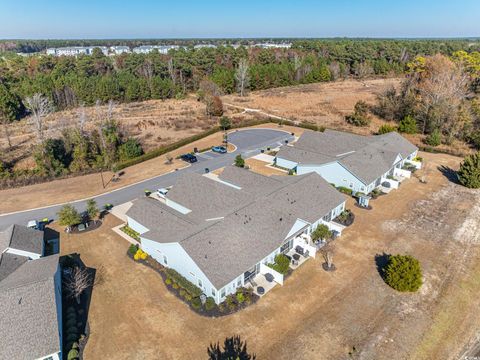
<point>242,76</point>
<point>297,65</point>
<point>328,251</point>
<point>6,131</point>
<point>363,69</point>
<point>82,119</point>
<point>335,70</point>
<point>40,107</point>
<point>78,281</point>
<point>172,71</point>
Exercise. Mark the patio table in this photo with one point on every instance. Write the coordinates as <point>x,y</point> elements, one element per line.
<point>260,290</point>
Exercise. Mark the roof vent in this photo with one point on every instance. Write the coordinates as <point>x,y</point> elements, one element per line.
<point>280,219</point>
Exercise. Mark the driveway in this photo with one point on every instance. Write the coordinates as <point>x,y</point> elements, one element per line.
<point>248,143</point>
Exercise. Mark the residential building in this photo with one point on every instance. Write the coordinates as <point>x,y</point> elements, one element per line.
<point>31,311</point>
<point>118,50</point>
<point>360,163</point>
<point>18,244</point>
<point>219,232</point>
<point>75,50</point>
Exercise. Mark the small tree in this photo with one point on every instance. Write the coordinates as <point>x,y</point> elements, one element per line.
<point>169,158</point>
<point>92,210</point>
<point>78,281</point>
<point>214,106</point>
<point>359,117</point>
<point>408,125</point>
<point>403,273</point>
<point>469,172</point>
<point>225,123</point>
<point>68,216</point>
<point>233,349</point>
<point>239,161</point>
<point>434,139</point>
<point>322,232</point>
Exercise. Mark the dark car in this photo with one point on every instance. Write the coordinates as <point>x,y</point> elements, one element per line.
<point>189,158</point>
<point>219,149</point>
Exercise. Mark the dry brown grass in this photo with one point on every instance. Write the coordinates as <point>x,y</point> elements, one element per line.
<point>315,315</point>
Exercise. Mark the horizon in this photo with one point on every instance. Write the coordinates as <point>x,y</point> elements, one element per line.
<point>148,19</point>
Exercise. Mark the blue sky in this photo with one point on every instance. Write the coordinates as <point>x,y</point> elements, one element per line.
<point>246,18</point>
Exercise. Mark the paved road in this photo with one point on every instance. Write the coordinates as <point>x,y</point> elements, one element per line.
<point>248,143</point>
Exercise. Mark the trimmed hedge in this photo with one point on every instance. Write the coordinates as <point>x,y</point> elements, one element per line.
<point>192,289</point>
<point>403,273</point>
<point>345,190</point>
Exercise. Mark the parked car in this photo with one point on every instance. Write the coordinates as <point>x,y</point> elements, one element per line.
<point>162,192</point>
<point>219,149</point>
<point>189,158</point>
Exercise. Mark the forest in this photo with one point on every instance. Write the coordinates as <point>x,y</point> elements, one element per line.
<point>440,91</point>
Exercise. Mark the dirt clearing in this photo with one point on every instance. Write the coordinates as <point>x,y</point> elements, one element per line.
<point>315,315</point>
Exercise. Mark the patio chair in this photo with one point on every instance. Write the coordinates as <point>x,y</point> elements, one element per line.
<point>299,250</point>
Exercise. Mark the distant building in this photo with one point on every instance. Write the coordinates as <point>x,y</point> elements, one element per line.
<point>117,50</point>
<point>75,50</point>
<point>162,49</point>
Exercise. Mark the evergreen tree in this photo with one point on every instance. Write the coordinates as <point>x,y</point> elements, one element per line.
<point>408,125</point>
<point>469,172</point>
<point>68,216</point>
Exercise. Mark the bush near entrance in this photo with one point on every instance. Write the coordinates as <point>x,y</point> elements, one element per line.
<point>403,273</point>
<point>281,264</point>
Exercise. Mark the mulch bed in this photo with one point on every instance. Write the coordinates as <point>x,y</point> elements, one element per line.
<point>348,221</point>
<point>92,225</point>
<point>217,311</point>
<point>369,207</point>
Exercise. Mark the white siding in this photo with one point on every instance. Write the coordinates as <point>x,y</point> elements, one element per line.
<point>134,225</point>
<point>334,173</point>
<point>287,164</point>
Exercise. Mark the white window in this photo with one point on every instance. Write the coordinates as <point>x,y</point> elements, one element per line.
<point>239,281</point>
<point>165,261</point>
<point>193,275</point>
<point>200,283</point>
<point>213,292</point>
<point>222,294</point>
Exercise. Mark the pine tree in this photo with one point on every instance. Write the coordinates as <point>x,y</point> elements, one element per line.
<point>469,172</point>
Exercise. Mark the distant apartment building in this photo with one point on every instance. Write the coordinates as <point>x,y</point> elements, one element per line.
<point>118,50</point>
<point>162,49</point>
<point>75,50</point>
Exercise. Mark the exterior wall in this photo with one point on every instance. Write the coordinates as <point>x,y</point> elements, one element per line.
<point>333,214</point>
<point>287,164</point>
<point>178,259</point>
<point>299,224</point>
<point>134,225</point>
<point>180,208</point>
<point>334,173</point>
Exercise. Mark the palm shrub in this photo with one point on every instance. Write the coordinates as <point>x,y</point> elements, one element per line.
<point>408,125</point>
<point>321,232</point>
<point>239,161</point>
<point>403,273</point>
<point>469,172</point>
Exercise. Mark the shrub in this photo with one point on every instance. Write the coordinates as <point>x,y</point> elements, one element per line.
<point>75,345</point>
<point>175,285</point>
<point>179,280</point>
<point>188,297</point>
<point>130,149</point>
<point>132,249</point>
<point>182,292</point>
<point>196,303</point>
<point>469,172</point>
<point>130,232</point>
<point>210,304</point>
<point>72,329</point>
<point>281,264</point>
<point>239,161</point>
<point>72,354</point>
<point>403,273</point>
<point>291,172</point>
<point>434,139</point>
<point>240,297</point>
<point>72,337</point>
<point>70,322</point>
<point>344,190</point>
<point>408,125</point>
<point>386,128</point>
<point>168,281</point>
<point>230,301</point>
<point>71,310</point>
<point>359,117</point>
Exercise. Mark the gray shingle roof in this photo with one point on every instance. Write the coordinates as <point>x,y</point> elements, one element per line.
<point>203,196</point>
<point>9,263</point>
<point>22,238</point>
<point>367,157</point>
<point>251,228</point>
<point>29,323</point>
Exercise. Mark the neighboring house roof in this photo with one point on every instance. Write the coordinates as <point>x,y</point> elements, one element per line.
<point>367,157</point>
<point>9,263</point>
<point>29,322</point>
<point>22,238</point>
<point>250,229</point>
